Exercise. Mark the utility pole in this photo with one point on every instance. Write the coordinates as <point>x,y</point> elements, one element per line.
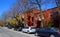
<point>58,5</point>
<point>39,4</point>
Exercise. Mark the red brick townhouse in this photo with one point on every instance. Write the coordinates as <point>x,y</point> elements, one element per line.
<point>52,14</point>
<point>33,15</point>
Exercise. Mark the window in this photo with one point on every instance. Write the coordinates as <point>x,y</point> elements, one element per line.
<point>32,18</point>
<point>42,29</point>
<point>51,14</point>
<point>48,28</point>
<point>32,27</point>
<point>56,13</point>
<point>29,18</point>
<point>26,27</point>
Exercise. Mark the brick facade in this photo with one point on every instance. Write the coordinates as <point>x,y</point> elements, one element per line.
<point>33,15</point>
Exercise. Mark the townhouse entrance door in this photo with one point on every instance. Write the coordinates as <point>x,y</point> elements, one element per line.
<point>56,23</point>
<point>38,24</point>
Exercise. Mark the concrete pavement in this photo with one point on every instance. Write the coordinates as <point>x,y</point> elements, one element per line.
<point>5,32</point>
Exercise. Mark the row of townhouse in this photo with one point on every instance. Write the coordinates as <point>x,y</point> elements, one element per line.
<point>33,17</point>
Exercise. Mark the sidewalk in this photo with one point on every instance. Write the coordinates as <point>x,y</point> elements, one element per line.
<point>20,32</point>
<point>8,29</point>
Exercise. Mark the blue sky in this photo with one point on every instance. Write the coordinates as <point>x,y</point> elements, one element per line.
<point>5,5</point>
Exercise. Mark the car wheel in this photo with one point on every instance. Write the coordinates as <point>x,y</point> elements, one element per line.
<point>36,34</point>
<point>52,35</point>
<point>22,31</point>
<point>28,32</point>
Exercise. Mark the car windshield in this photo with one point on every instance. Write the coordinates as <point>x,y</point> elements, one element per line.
<point>32,27</point>
<point>55,29</point>
<point>26,27</point>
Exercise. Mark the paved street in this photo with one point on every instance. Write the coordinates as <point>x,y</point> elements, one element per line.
<point>4,32</point>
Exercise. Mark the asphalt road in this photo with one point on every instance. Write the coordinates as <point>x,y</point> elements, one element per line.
<point>4,32</point>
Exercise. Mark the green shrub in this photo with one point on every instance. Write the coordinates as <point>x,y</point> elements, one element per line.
<point>49,23</point>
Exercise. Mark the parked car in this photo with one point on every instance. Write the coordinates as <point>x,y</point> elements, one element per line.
<point>18,28</point>
<point>9,26</point>
<point>29,29</point>
<point>48,32</point>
